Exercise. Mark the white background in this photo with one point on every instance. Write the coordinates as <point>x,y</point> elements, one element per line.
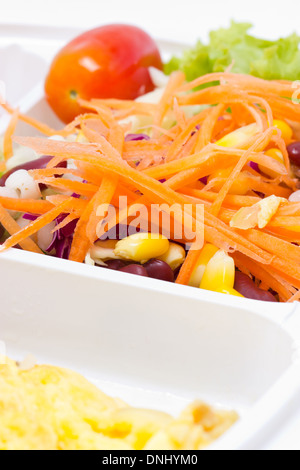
<point>182,20</point>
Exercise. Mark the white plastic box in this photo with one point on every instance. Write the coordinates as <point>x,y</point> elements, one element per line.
<point>152,343</point>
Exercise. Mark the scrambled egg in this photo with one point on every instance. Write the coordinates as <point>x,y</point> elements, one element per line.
<point>48,408</point>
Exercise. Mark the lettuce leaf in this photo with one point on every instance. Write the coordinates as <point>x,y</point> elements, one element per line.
<point>265,59</point>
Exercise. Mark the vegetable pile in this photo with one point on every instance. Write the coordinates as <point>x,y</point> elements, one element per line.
<point>230,154</point>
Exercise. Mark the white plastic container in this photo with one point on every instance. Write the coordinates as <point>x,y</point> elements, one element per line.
<point>152,343</point>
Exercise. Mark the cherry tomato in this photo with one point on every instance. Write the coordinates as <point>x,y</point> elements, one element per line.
<point>107,62</point>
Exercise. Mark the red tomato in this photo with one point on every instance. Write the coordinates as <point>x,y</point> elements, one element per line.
<point>107,62</point>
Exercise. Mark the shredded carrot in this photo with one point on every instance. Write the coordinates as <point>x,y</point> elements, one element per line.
<point>179,115</point>
<point>19,237</point>
<point>41,127</point>
<point>31,206</point>
<point>259,145</point>
<point>7,141</point>
<point>261,272</point>
<point>81,242</point>
<point>102,198</point>
<point>295,297</point>
<point>231,200</point>
<point>207,128</point>
<point>179,164</point>
<point>3,168</point>
<point>177,79</point>
<point>188,266</point>
<point>70,218</point>
<point>91,128</point>
<point>14,229</point>
<point>83,189</point>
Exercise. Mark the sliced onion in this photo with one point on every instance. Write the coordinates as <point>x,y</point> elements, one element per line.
<point>8,192</point>
<point>159,79</point>
<point>45,236</point>
<point>134,137</point>
<point>22,155</point>
<point>57,138</point>
<point>295,197</point>
<point>22,222</point>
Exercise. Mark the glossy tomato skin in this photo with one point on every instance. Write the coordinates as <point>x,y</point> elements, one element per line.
<point>107,62</point>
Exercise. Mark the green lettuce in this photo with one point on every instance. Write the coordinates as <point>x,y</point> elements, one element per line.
<point>265,59</point>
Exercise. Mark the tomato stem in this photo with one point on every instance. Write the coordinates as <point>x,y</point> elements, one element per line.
<point>73,95</point>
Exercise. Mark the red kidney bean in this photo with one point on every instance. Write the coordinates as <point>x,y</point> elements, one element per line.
<point>245,286</point>
<point>38,164</point>
<point>115,264</point>
<point>1,230</point>
<point>294,153</point>
<point>135,269</point>
<point>158,269</point>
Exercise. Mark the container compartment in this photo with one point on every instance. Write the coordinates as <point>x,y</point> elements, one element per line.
<point>151,343</point>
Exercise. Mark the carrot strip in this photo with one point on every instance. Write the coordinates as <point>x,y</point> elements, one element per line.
<point>86,230</point>
<point>289,223</point>
<point>76,207</point>
<point>246,82</point>
<point>102,198</point>
<point>108,186</point>
<point>81,242</point>
<point>183,137</point>
<point>50,172</point>
<point>188,266</point>
<point>176,79</point>
<point>13,228</point>
<point>7,140</point>
<point>26,205</point>
<point>70,218</point>
<point>207,128</point>
<point>92,128</point>
<point>261,273</point>
<point>179,115</point>
<point>84,189</point>
<point>138,107</point>
<point>295,297</point>
<point>41,127</point>
<point>19,237</point>
<point>231,200</point>
<point>273,244</point>
<point>260,145</point>
<point>103,111</point>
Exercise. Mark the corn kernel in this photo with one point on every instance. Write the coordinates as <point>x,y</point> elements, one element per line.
<point>239,137</point>
<point>277,155</point>
<point>141,247</point>
<point>230,292</point>
<point>207,253</point>
<point>286,130</point>
<point>174,257</point>
<point>240,185</point>
<point>219,273</point>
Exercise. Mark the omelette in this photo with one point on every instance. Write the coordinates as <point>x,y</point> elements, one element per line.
<point>50,408</point>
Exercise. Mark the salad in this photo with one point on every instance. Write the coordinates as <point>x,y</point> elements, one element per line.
<point>220,153</point>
